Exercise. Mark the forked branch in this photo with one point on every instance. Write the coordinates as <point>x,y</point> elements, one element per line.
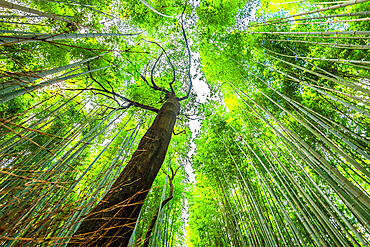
<point>187,48</point>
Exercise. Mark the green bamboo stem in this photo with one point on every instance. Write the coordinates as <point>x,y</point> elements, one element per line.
<point>251,212</point>
<point>226,221</point>
<point>338,135</point>
<point>315,194</point>
<point>9,5</point>
<point>325,22</point>
<point>41,198</point>
<point>28,16</point>
<point>87,200</point>
<point>24,80</point>
<point>322,9</point>
<point>365,199</point>
<point>294,229</point>
<point>306,227</point>
<point>323,168</point>
<point>304,158</point>
<point>332,37</point>
<point>322,59</point>
<point>354,33</point>
<point>255,202</point>
<point>360,99</point>
<point>53,37</point>
<point>227,202</point>
<point>9,143</point>
<point>18,32</point>
<point>253,237</point>
<point>327,201</point>
<point>330,2</point>
<point>315,17</point>
<point>351,160</point>
<point>318,214</point>
<point>254,205</point>
<point>11,95</point>
<point>317,132</point>
<point>315,234</point>
<point>340,45</point>
<point>355,87</point>
<point>328,122</point>
<point>259,179</point>
<point>103,183</point>
<point>237,208</point>
<point>28,164</point>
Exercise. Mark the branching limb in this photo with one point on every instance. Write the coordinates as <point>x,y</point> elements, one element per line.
<point>108,107</point>
<point>183,131</point>
<point>109,97</point>
<point>187,47</point>
<point>152,72</point>
<point>146,107</point>
<point>169,61</point>
<point>197,117</point>
<point>130,102</point>
<point>92,78</point>
<point>174,173</point>
<point>154,86</point>
<point>197,114</point>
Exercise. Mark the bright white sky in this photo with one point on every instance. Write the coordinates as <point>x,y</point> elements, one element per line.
<point>202,90</point>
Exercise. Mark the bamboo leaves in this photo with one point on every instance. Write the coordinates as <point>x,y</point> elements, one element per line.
<point>290,124</point>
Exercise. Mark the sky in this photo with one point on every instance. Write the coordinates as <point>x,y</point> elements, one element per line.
<point>202,90</point>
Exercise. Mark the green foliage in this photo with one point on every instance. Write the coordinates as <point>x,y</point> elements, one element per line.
<point>281,159</point>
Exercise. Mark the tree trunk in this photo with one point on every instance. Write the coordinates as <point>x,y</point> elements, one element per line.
<point>111,222</point>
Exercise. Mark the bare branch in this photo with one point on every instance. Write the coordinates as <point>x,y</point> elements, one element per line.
<point>183,131</point>
<point>146,107</point>
<point>152,72</point>
<point>169,61</point>
<point>187,47</point>
<point>154,86</point>
<point>174,174</point>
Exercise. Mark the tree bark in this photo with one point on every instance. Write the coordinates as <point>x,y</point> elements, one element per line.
<point>111,222</point>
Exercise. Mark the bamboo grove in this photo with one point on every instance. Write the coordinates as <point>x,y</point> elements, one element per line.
<point>282,157</point>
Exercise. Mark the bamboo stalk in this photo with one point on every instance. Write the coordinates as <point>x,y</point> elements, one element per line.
<point>311,18</point>
<point>9,5</point>
<point>24,80</point>
<point>11,95</point>
<point>348,3</point>
<point>340,45</point>
<point>315,194</point>
<point>317,160</point>
<point>354,33</point>
<point>52,37</point>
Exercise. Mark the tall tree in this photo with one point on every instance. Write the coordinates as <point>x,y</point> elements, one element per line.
<point>145,163</point>
<point>282,161</point>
